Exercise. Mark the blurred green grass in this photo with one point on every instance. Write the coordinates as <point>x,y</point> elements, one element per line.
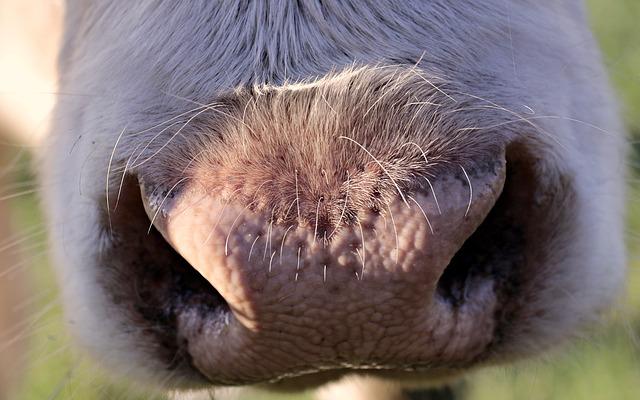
<point>615,23</point>
<point>604,366</point>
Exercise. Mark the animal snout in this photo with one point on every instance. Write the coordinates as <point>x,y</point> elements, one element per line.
<point>323,237</point>
<point>320,287</point>
<point>362,221</point>
<point>275,195</point>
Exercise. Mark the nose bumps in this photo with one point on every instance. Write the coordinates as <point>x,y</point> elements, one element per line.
<point>317,301</point>
<point>255,263</point>
<point>326,237</point>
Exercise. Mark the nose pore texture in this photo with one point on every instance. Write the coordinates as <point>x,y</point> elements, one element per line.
<point>337,298</point>
<point>308,209</point>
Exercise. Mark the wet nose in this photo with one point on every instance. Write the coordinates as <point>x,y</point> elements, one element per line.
<point>324,214</point>
<point>344,295</point>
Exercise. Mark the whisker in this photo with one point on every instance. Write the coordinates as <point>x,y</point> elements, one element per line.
<point>226,242</point>
<point>315,231</point>
<point>327,103</point>
<point>20,185</point>
<point>297,195</point>
<point>251,249</point>
<point>185,113</point>
<point>289,209</point>
<point>155,215</point>
<point>171,138</point>
<point>214,109</point>
<point>470,191</point>
<point>380,165</point>
<point>435,198</point>
<point>271,260</point>
<point>113,152</point>
<point>282,244</point>
<point>395,232</point>
<point>13,164</point>
<point>423,213</point>
<point>344,207</point>
<point>363,249</point>
<point>433,85</point>
<point>226,204</point>
<point>255,194</point>
<point>21,264</point>
<point>424,155</point>
<point>267,243</point>
<point>298,262</point>
<point>21,238</point>
<point>147,144</point>
<point>57,389</point>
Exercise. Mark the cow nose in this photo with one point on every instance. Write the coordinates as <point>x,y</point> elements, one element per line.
<point>327,281</point>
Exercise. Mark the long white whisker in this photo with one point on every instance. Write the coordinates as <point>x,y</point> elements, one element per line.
<point>344,207</point>
<point>363,250</point>
<point>271,260</point>
<point>297,196</point>
<point>315,231</point>
<point>251,249</point>
<point>423,213</point>
<point>380,165</point>
<point>435,198</point>
<point>470,191</point>
<point>267,243</point>
<point>226,204</point>
<point>172,137</point>
<point>298,263</point>
<point>395,232</point>
<point>147,144</point>
<point>226,241</point>
<point>155,214</point>
<point>282,244</point>
<point>113,152</point>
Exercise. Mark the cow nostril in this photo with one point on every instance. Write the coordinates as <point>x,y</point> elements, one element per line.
<point>218,235</point>
<point>493,251</point>
<point>270,274</point>
<point>503,247</point>
<point>154,284</point>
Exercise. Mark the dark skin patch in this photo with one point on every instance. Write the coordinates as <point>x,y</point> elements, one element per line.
<point>444,393</point>
<point>152,283</point>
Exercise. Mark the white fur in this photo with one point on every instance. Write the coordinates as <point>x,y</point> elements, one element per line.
<point>134,61</point>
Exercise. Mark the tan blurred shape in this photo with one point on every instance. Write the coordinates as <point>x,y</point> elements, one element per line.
<point>29,39</point>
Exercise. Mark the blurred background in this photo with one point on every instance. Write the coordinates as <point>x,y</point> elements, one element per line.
<point>37,361</point>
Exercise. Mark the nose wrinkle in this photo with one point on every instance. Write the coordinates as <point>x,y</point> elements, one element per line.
<point>256,283</point>
<point>364,297</point>
<point>256,265</point>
